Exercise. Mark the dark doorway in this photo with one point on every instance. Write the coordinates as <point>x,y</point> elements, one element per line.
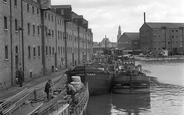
<point>174,51</point>
<point>52,68</point>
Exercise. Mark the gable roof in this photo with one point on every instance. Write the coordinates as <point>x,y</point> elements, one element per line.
<point>132,35</point>
<point>167,25</point>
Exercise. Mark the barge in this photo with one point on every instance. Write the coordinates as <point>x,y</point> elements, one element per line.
<point>99,81</point>
<point>130,79</point>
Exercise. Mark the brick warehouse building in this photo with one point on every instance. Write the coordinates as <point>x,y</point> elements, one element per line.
<point>129,41</point>
<point>155,36</point>
<point>34,35</point>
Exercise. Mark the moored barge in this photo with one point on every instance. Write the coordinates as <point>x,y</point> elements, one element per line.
<point>130,79</point>
<point>99,81</point>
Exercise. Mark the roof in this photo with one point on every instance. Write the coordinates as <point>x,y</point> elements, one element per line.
<point>132,35</point>
<point>61,6</point>
<point>167,25</point>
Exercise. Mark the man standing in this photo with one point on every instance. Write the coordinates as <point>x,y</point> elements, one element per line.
<point>20,75</point>
<point>47,88</point>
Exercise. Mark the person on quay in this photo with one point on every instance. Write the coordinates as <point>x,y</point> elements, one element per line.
<point>48,88</point>
<point>20,75</point>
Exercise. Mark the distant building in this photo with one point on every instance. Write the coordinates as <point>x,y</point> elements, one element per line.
<point>104,44</point>
<point>155,36</point>
<point>129,41</point>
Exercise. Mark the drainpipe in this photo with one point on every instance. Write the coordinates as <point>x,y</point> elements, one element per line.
<point>56,59</point>
<point>65,37</point>
<point>86,46</point>
<point>11,45</point>
<point>22,35</point>
<point>43,40</point>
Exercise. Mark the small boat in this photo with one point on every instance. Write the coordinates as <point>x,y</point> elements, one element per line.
<point>62,102</point>
<point>99,81</point>
<point>131,80</point>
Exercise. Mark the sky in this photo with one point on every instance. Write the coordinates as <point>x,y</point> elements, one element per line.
<point>105,16</point>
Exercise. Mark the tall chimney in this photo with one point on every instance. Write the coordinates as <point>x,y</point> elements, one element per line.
<point>144,17</point>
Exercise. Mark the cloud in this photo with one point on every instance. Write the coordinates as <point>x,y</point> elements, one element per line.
<point>105,16</point>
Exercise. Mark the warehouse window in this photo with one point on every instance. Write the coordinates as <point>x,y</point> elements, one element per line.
<point>27,7</point>
<point>16,25</point>
<point>38,29</point>
<point>34,51</point>
<point>16,50</point>
<point>38,12</point>
<point>33,11</point>
<point>52,18</point>
<point>52,33</point>
<point>15,2</point>
<point>61,35</point>
<point>33,29</point>
<point>58,50</point>
<point>46,50</point>
<point>58,34</point>
<point>38,50</point>
<point>49,15</point>
<point>29,52</point>
<point>28,28</point>
<point>6,51</point>
<point>52,50</point>
<point>5,23</point>
<point>61,50</point>
<point>45,15</point>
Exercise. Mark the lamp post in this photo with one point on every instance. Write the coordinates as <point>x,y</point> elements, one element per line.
<point>19,29</point>
<point>78,28</point>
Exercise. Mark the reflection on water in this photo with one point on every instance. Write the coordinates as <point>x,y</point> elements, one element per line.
<point>128,104</point>
<point>166,96</point>
<point>167,99</point>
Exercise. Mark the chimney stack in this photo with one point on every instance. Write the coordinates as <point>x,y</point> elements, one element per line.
<point>144,17</point>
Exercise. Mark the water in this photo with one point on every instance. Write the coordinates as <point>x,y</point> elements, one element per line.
<point>166,96</point>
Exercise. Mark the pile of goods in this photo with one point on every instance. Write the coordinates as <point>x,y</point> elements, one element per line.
<point>76,82</point>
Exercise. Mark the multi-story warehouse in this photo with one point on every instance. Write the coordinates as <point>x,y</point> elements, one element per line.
<point>40,38</point>
<point>156,36</point>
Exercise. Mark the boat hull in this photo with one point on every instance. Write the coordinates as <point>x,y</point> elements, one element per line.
<point>131,91</point>
<point>131,84</point>
<point>98,83</point>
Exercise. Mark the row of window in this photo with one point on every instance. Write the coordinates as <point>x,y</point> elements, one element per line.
<point>34,51</point>
<point>33,29</point>
<point>49,32</point>
<point>15,2</point>
<point>49,51</point>
<point>145,49</point>
<point>161,42</point>
<point>159,36</point>
<point>6,23</point>
<point>33,9</point>
<point>159,30</point>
